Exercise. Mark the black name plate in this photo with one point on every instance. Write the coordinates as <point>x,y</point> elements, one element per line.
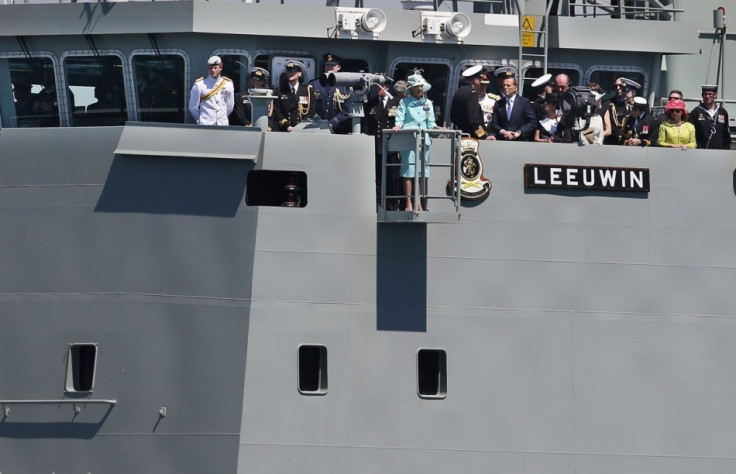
<point>586,178</point>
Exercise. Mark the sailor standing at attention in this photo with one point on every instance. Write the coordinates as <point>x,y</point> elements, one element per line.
<point>711,121</point>
<point>213,97</point>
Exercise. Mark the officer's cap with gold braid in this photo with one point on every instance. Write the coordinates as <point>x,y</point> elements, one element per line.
<point>630,84</point>
<point>330,59</point>
<point>258,73</point>
<point>505,71</point>
<point>294,66</point>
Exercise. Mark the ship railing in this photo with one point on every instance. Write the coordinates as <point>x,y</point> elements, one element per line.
<point>419,141</point>
<point>76,404</point>
<point>636,10</point>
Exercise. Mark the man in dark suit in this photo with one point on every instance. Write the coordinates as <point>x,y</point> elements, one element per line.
<point>513,115</point>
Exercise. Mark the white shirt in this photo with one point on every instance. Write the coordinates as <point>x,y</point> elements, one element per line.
<point>213,111</point>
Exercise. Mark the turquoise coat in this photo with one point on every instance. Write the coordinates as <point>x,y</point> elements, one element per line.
<point>416,114</point>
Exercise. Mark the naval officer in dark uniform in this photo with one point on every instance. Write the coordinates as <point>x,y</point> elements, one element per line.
<point>295,101</point>
<point>465,112</point>
<point>618,107</point>
<point>243,110</point>
<point>640,128</point>
<point>382,116</point>
<point>711,121</point>
<point>333,103</point>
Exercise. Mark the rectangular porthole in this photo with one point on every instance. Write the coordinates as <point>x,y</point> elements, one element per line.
<point>312,370</point>
<point>432,373</point>
<point>81,366</point>
<point>276,188</point>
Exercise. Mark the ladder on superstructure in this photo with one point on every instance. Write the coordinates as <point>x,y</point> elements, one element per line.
<point>533,40</point>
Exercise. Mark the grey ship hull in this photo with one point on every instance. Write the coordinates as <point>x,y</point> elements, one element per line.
<point>584,332</point>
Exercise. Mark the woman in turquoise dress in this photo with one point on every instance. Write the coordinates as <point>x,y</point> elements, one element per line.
<point>415,112</point>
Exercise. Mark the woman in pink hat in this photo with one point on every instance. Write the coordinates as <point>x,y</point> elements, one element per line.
<point>676,132</point>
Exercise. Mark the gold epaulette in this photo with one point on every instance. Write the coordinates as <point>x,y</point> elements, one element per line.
<point>494,96</point>
<point>199,79</point>
<point>227,78</point>
<point>480,133</point>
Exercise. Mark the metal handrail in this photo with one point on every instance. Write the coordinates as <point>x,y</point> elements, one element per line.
<point>420,150</point>
<point>64,401</point>
<point>81,401</point>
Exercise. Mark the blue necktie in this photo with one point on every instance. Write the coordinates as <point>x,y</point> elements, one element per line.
<point>509,106</point>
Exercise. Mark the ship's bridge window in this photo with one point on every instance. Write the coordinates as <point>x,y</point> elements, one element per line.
<point>99,93</point>
<point>312,370</point>
<point>607,78</point>
<point>34,101</point>
<point>159,84</point>
<point>437,75</point>
<point>535,72</point>
<point>81,367</point>
<point>432,373</point>
<point>235,67</point>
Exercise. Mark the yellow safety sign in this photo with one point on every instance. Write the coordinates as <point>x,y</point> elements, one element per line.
<point>527,28</point>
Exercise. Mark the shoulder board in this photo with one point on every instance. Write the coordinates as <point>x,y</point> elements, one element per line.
<point>199,79</point>
<point>227,79</point>
<point>494,96</point>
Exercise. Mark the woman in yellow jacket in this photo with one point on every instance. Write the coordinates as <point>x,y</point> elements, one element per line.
<point>676,132</point>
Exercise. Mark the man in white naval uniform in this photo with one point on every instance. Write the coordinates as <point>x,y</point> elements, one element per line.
<point>212,97</point>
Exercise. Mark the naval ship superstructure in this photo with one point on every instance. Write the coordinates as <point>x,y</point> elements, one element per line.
<point>178,298</point>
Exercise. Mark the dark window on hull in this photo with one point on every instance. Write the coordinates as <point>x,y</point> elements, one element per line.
<point>276,188</point>
<point>81,366</point>
<point>312,370</point>
<point>97,84</point>
<point>35,99</point>
<point>432,373</point>
<point>159,83</point>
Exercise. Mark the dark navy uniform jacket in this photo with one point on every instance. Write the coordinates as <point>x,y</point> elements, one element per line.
<point>710,133</point>
<point>331,107</point>
<point>466,114</point>
<point>645,129</point>
<point>291,108</point>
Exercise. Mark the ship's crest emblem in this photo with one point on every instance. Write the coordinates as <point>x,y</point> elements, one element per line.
<point>473,185</point>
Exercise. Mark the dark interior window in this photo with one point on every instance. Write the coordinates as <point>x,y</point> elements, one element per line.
<point>99,91</point>
<point>159,82</point>
<point>312,369</point>
<point>432,373</point>
<point>83,358</point>
<point>276,188</point>
<point>34,93</point>
<point>606,79</point>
